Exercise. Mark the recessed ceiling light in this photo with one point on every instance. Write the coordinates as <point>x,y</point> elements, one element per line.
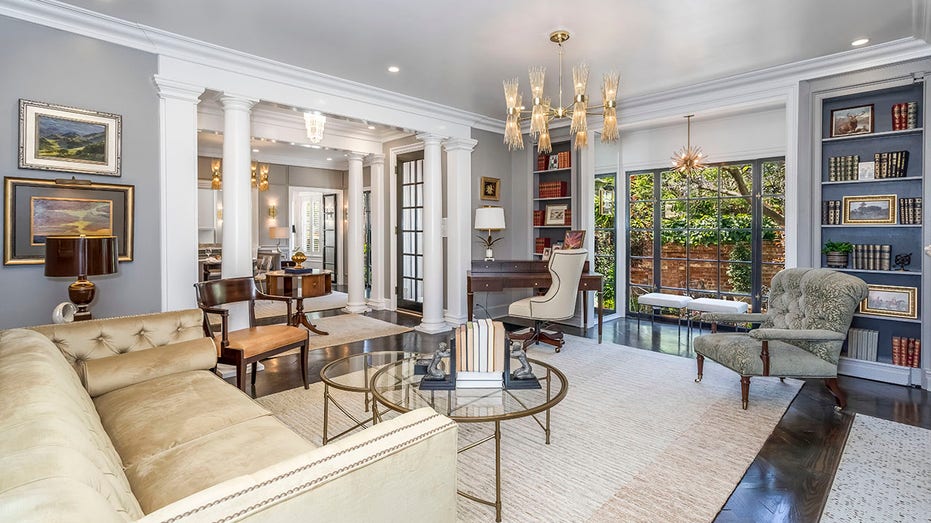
<point>860,41</point>
<point>316,147</point>
<point>329,159</point>
<point>372,127</point>
<point>255,150</point>
<point>394,69</point>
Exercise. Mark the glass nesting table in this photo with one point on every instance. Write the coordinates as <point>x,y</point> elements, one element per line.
<point>354,374</point>
<point>396,386</point>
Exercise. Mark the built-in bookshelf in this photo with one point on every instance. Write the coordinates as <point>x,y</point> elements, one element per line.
<point>871,186</point>
<point>553,183</point>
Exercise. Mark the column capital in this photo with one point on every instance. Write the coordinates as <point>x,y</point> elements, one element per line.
<point>460,144</point>
<point>175,90</point>
<point>430,138</point>
<point>375,159</point>
<point>355,157</point>
<point>236,101</point>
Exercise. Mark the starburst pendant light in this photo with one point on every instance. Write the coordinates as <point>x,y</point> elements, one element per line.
<point>687,159</point>
<point>314,122</point>
<point>542,112</point>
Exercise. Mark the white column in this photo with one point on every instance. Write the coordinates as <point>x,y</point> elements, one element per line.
<point>178,191</point>
<point>432,240</point>
<point>377,201</point>
<point>458,226</point>
<point>237,189</point>
<point>355,302</point>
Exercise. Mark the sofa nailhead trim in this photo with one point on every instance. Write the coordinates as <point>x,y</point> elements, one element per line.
<point>313,482</point>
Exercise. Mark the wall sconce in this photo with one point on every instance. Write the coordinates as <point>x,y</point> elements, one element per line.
<point>272,211</point>
<point>216,182</point>
<point>260,181</point>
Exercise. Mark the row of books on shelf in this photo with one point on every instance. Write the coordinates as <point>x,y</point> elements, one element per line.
<point>539,218</point>
<point>906,351</point>
<point>552,189</point>
<point>481,347</point>
<point>910,211</point>
<point>561,160</point>
<point>871,257</point>
<point>830,212</point>
<point>904,116</point>
<point>539,244</point>
<point>892,164</point>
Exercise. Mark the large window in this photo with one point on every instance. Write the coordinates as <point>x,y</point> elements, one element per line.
<point>311,224</point>
<point>718,232</point>
<point>606,238</point>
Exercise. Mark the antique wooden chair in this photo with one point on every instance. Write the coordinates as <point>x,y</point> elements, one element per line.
<point>244,346</point>
<point>558,303</point>
<point>800,336</point>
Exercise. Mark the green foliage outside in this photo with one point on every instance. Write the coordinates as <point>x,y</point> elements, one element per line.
<point>605,238</point>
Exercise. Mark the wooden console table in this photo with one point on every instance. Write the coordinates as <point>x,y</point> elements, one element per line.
<point>299,287</point>
<point>497,275</point>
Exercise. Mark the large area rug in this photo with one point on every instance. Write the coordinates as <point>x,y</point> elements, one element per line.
<point>884,474</point>
<point>271,309</point>
<point>347,328</point>
<point>635,439</point>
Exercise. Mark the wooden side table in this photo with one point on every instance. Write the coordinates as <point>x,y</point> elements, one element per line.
<point>300,287</point>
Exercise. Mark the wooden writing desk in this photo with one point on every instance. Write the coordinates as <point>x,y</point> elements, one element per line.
<point>300,286</point>
<point>495,276</point>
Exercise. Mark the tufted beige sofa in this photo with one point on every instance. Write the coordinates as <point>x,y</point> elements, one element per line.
<point>121,420</point>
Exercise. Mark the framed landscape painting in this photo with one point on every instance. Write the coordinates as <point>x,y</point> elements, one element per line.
<point>870,209</point>
<point>35,209</point>
<point>891,300</point>
<point>852,120</point>
<point>60,138</point>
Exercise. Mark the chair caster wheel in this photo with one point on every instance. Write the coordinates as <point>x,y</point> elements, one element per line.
<point>558,349</point>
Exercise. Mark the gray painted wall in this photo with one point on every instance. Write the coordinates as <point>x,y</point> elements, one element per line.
<point>53,66</point>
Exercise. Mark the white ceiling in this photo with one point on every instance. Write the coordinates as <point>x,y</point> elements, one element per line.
<point>458,53</point>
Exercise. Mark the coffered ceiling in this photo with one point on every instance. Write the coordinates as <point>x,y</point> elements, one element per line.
<point>457,53</point>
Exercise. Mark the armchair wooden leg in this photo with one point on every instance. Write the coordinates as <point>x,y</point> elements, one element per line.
<point>241,375</point>
<point>700,360</point>
<point>255,370</point>
<point>304,364</point>
<point>840,397</point>
<point>744,391</point>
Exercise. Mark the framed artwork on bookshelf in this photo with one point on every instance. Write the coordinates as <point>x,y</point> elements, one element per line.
<point>574,239</point>
<point>555,214</point>
<point>866,171</point>
<point>870,209</point>
<point>491,188</point>
<point>547,252</point>
<point>891,300</point>
<point>554,162</point>
<point>852,120</point>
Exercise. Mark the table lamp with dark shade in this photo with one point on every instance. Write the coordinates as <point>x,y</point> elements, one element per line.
<point>80,256</point>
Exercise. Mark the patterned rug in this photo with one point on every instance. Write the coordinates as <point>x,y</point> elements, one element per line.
<point>884,474</point>
<point>635,439</point>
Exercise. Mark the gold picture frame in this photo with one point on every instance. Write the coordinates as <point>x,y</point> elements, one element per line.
<point>870,209</point>
<point>491,188</point>
<point>891,301</point>
<point>34,209</point>
<point>69,139</point>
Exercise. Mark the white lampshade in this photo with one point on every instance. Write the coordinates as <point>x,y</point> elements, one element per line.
<point>489,218</point>
<point>279,233</point>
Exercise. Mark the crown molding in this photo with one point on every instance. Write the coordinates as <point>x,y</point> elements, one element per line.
<point>58,15</point>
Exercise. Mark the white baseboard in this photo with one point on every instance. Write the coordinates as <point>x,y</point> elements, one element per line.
<point>378,305</point>
<point>874,370</point>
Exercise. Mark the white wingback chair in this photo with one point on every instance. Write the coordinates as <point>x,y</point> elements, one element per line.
<point>557,304</point>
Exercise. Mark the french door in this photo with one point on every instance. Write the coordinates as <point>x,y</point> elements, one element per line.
<point>329,234</point>
<point>410,231</point>
<point>367,245</point>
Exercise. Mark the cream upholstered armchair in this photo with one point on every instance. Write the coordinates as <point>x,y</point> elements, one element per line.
<point>558,303</point>
<point>800,336</point>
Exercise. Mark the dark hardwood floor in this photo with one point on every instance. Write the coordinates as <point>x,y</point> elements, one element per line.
<point>791,476</point>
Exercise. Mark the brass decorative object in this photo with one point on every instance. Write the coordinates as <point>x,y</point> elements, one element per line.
<point>298,258</point>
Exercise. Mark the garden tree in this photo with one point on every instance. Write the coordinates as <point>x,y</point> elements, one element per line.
<point>709,207</point>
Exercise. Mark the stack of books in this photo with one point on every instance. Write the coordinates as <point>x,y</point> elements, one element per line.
<point>564,160</point>
<point>539,244</point>
<point>862,344</point>
<point>553,189</point>
<point>904,116</point>
<point>481,347</point>
<point>910,211</point>
<point>542,162</point>
<point>891,164</point>
<point>906,351</point>
<point>537,218</point>
<point>568,215</point>
<point>843,168</point>
<point>872,257</point>
<point>830,212</point>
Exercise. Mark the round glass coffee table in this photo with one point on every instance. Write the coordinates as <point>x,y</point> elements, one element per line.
<point>353,374</point>
<point>397,387</point>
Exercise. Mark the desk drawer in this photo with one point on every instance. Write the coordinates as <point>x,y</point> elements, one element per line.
<point>489,285</point>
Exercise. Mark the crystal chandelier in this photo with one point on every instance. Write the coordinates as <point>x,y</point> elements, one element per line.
<point>687,159</point>
<point>260,182</point>
<point>542,112</point>
<point>314,122</point>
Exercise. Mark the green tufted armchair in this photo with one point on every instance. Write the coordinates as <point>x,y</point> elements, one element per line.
<point>800,336</point>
